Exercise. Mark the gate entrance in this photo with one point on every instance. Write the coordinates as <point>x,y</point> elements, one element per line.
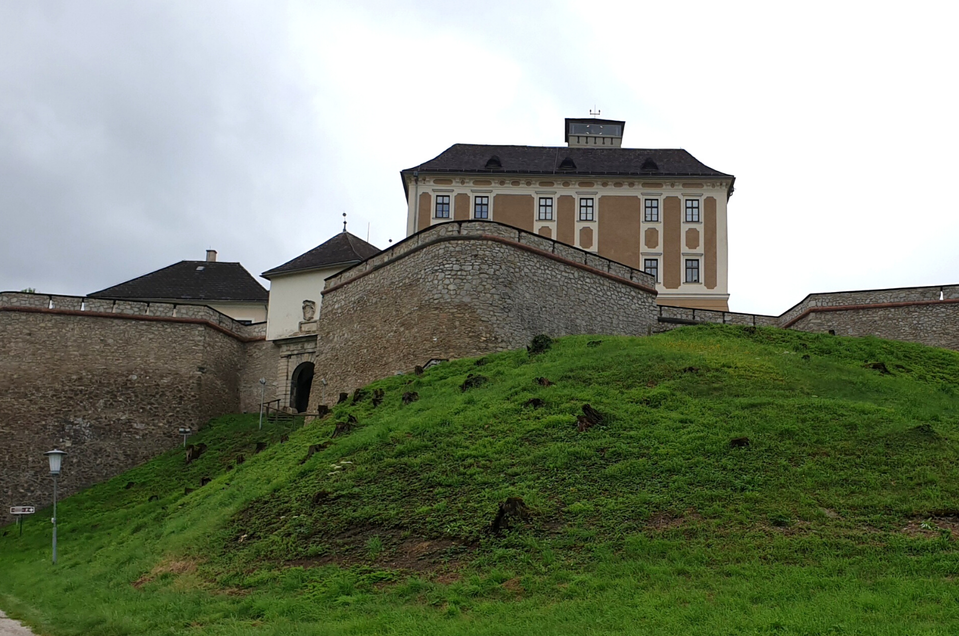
<point>300,384</point>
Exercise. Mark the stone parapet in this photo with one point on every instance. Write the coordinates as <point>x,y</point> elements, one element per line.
<point>487,229</point>
<point>11,301</point>
<point>672,317</point>
<point>868,297</point>
<point>465,289</point>
<point>927,315</point>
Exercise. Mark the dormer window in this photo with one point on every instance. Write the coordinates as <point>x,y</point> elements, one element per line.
<point>493,163</point>
<point>567,164</point>
<point>649,165</point>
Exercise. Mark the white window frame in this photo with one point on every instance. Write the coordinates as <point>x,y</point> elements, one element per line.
<point>449,206</point>
<point>659,206</point>
<point>654,260</point>
<point>539,208</point>
<point>699,271</point>
<point>488,207</point>
<point>592,209</point>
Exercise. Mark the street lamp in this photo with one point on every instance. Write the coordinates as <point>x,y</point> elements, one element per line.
<point>185,431</point>
<point>56,459</point>
<point>262,389</point>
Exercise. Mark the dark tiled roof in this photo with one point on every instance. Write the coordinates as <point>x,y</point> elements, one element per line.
<point>191,280</point>
<point>545,160</point>
<point>342,249</point>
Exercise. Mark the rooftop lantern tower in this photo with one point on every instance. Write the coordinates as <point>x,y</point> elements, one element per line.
<point>606,133</point>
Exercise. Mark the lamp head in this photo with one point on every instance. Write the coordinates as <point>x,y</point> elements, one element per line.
<point>55,458</point>
<point>262,380</point>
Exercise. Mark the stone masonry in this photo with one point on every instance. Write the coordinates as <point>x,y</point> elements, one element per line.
<point>465,289</point>
<point>926,315</point>
<point>111,381</point>
<point>111,387</point>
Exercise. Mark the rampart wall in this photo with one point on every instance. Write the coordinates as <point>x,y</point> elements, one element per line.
<point>465,289</point>
<point>110,383</point>
<point>926,315</point>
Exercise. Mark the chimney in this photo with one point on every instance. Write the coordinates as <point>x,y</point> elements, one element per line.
<point>211,256</point>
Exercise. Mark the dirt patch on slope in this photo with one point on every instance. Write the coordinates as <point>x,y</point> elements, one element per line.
<point>932,527</point>
<point>167,566</point>
<point>392,549</point>
<point>668,521</point>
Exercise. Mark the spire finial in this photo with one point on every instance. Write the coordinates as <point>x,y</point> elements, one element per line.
<point>344,221</point>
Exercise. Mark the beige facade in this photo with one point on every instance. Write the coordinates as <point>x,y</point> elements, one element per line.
<point>243,312</point>
<point>661,211</point>
<point>680,226</point>
<point>287,296</point>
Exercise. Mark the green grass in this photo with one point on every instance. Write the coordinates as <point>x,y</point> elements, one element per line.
<point>837,518</point>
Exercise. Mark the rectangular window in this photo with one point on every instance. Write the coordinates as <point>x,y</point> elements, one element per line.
<point>692,270</point>
<point>442,206</point>
<point>651,267</point>
<point>692,210</point>
<point>652,211</point>
<point>545,209</point>
<point>586,210</point>
<point>481,207</point>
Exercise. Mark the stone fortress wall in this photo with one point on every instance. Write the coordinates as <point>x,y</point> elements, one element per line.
<point>110,383</point>
<point>926,315</point>
<point>468,288</point>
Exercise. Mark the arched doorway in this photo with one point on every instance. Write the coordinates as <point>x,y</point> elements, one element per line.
<point>300,384</point>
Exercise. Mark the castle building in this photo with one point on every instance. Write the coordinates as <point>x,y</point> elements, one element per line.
<point>661,211</point>
<point>295,298</point>
<point>225,287</point>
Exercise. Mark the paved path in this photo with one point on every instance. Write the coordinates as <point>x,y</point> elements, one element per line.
<point>10,627</point>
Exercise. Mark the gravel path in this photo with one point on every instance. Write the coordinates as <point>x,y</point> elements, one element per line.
<point>10,627</point>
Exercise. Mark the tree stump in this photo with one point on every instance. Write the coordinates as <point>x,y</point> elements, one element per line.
<point>590,418</point>
<point>513,510</point>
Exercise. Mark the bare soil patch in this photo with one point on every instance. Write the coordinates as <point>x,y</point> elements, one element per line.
<point>168,566</point>
<point>667,521</point>
<point>932,527</point>
<point>390,548</point>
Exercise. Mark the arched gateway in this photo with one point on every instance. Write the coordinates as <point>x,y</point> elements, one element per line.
<point>300,383</point>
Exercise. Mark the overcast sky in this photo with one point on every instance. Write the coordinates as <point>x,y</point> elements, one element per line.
<point>137,134</point>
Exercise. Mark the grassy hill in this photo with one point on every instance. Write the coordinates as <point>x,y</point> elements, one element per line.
<point>731,480</point>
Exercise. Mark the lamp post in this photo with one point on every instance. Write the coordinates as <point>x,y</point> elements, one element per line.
<point>56,459</point>
<point>262,389</point>
<point>185,431</point>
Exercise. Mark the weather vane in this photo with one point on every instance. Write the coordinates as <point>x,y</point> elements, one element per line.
<point>344,221</point>
<point>595,112</point>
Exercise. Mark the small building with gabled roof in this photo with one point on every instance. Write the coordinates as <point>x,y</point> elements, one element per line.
<point>227,287</point>
<point>300,281</point>
<point>296,289</point>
